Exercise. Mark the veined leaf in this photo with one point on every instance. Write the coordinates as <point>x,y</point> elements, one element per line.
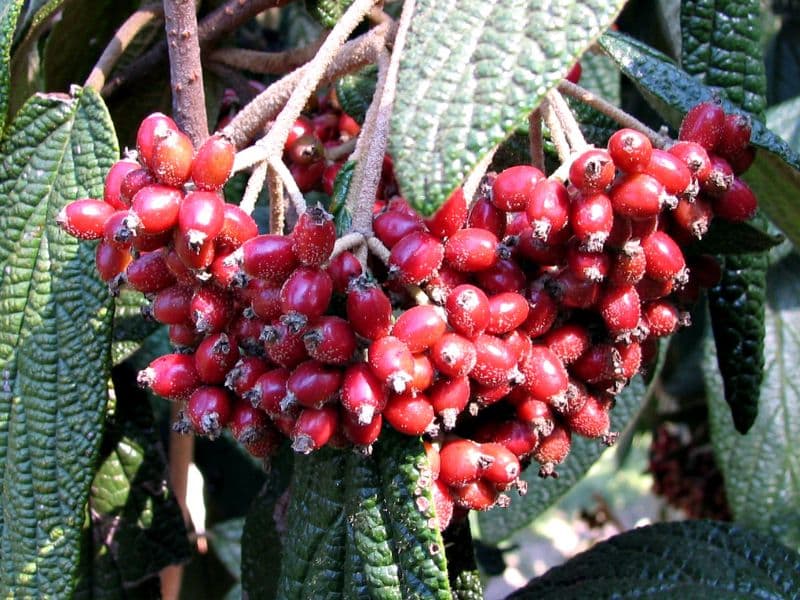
<point>9,11</point>
<point>471,71</point>
<point>55,334</point>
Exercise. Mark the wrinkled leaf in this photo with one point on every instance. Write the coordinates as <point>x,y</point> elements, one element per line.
<point>693,559</point>
<point>9,11</point>
<point>355,92</point>
<point>327,12</point>
<point>55,334</point>
<point>724,237</point>
<point>130,327</point>
<point>225,539</point>
<point>762,468</point>
<point>470,74</point>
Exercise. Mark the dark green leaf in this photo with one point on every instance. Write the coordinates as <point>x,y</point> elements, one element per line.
<point>724,237</point>
<point>337,207</point>
<point>784,119</point>
<point>9,11</point>
<point>693,559</point>
<point>355,92</point>
<point>498,524</point>
<point>55,335</point>
<point>364,526</point>
<point>762,468</point>
<point>672,92</point>
<point>468,586</point>
<point>130,328</point>
<point>327,12</point>
<point>470,74</point>
<point>36,12</point>
<point>225,539</point>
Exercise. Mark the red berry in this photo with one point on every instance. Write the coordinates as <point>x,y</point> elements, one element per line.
<point>638,196</point>
<point>284,344</point>
<point>574,74</point>
<point>266,301</point>
<point>392,362</point>
<point>737,204</point>
<point>703,124</point>
<point>568,341</point>
<point>552,450</point>
<point>331,340</point>
<point>85,218</point>
<point>735,137</point>
<point>171,305</point>
<point>361,434</point>
<point>171,376</point>
<point>183,335</point>
<point>662,317</point>
<point>313,237</point>
<point>237,227</point>
<point>519,343</point>
<point>720,177</point>
<point>268,391</point>
<point>630,356</point>
<point>593,171</point>
<point>120,229</point>
<point>505,467</point>
<point>210,309</point>
<point>133,182</point>
<point>302,126</point>
<point>314,428</point>
<point>423,373</point>
<point>513,187</point>
<point>537,415</point>
<point>453,355</point>
<point>485,215</point>
<point>507,311</point>
<point>574,292</point>
<point>548,207</point>
<point>311,385</point>
<point>209,409</point>
<point>495,363</point>
<point>462,461</point>
<point>198,257</point>
<point>588,266</point>
<point>245,374</point>
<point>591,421</point>
<point>518,436</point>
<point>599,363</point>
<point>329,176</point>
<point>652,289</point>
<point>450,217</point>
<point>693,218</point>
<point>619,307</point>
<point>391,226</point>
<point>214,357</point>
<point>306,292</point>
<point>409,414</point>
<point>471,250</point>
<point>416,257</point>
<point>200,217</point>
<point>171,161</point>
<point>149,273</point>
<point>545,376</point>
<point>363,394</point>
<point>443,502</point>
<point>247,424</point>
<point>449,397</point>
<point>269,257</point>
<point>151,129</point>
<point>444,282</point>
<point>225,271</point>
<point>112,189</point>
<point>342,268</point>
<point>630,150</point>
<point>468,310</point>
<point>742,161</point>
<point>670,171</point>
<point>246,329</point>
<point>157,207</point>
<point>111,260</point>
<point>309,176</point>
<point>213,163</point>
<point>505,276</point>
<point>664,257</point>
<point>368,309</point>
<point>348,125</point>
<point>419,327</point>
<point>476,495</point>
<point>542,311</point>
<point>694,156</point>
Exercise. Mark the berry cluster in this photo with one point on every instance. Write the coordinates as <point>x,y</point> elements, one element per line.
<point>497,329</point>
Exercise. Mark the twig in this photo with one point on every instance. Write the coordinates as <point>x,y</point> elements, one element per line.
<point>620,116</point>
<point>250,120</point>
<point>377,248</point>
<point>347,242</point>
<point>255,183</point>
<point>224,19</point>
<point>186,72</point>
<point>277,202</point>
<point>577,142</point>
<point>341,151</point>
<point>556,131</point>
<point>267,63</point>
<point>120,42</point>
<point>295,195</point>
<point>535,139</point>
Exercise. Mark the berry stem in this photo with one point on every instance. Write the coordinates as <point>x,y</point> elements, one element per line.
<point>277,202</point>
<point>535,139</point>
<point>557,134</point>
<point>347,242</point>
<point>620,116</point>
<point>255,183</point>
<point>186,72</point>
<point>121,40</point>
<point>295,195</point>
<point>572,130</point>
<point>267,63</point>
<point>377,248</point>
<point>342,150</point>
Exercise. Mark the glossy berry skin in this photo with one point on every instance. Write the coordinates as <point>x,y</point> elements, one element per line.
<point>670,171</point>
<point>538,415</point>
<point>133,182</point>
<point>542,311</point>
<point>552,450</point>
<point>449,397</point>
<point>409,414</point>
<point>593,171</point>
<point>568,341</point>
<point>171,161</point>
<point>485,215</point>
<point>363,394</point>
<point>368,309</point>
<point>308,177</point>
<point>513,186</point>
<point>637,196</point>
<point>504,276</point>
<point>247,423</point>
<point>462,461</point>
<point>548,207</point>
<point>305,150</point>
<point>620,309</point>
<point>518,436</point>
<point>505,467</point>
<point>212,165</point>
<point>237,227</point>
<point>359,434</point>
<point>453,355</point>
<point>269,390</point>
<point>591,219</point>
<point>312,384</point>
<point>591,421</point>
<point>152,128</point>
<point>214,357</point>
<point>664,257</point>
<point>200,256</point>
<point>302,126</point>
<point>735,137</point>
<point>200,217</point>
<point>422,377</point>
<point>111,190</point>
<point>662,317</point>
<point>171,305</point>
<point>284,344</point>
<point>467,309</point>
<point>391,226</point>
<point>588,266</point>
<point>313,237</point>
<point>703,124</point>
<point>738,204</point>
<point>471,250</point>
<point>111,260</point>
<point>210,309</point>
<point>575,292</point>
<point>244,374</point>
<point>415,258</point>
<point>630,150</point>
<point>342,268</point>
<point>183,336</point>
<point>507,311</point>
<point>331,340</point>
<point>307,291</point>
<point>545,375</point>
<point>476,495</point>
<point>392,362</point>
<point>157,207</point>
<point>694,156</point>
<point>149,273</point>
<point>314,428</point>
<point>450,217</point>
<point>599,363</point>
<point>85,218</point>
<point>495,363</point>
<point>171,376</point>
<point>419,327</point>
<point>209,409</point>
<point>574,74</point>
<point>269,257</point>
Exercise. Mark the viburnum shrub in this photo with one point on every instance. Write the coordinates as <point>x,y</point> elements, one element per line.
<point>422,272</point>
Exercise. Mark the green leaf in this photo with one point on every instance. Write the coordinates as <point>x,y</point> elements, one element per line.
<point>130,328</point>
<point>471,72</point>
<point>337,207</point>
<point>762,468</point>
<point>693,559</point>
<point>327,12</point>
<point>9,11</point>
<point>672,92</point>
<point>225,539</point>
<point>498,524</point>
<point>35,14</point>
<point>55,334</point>
<point>724,237</point>
<point>355,92</point>
<point>364,526</point>
<point>784,119</point>
<point>136,525</point>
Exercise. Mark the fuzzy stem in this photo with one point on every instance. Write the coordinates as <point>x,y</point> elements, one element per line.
<point>255,183</point>
<point>120,42</point>
<point>535,139</point>
<point>277,202</point>
<point>186,72</point>
<point>250,120</point>
<point>341,151</point>
<point>295,195</point>
<point>347,242</point>
<point>620,116</point>
<point>267,63</point>
<point>572,130</point>
<point>556,131</point>
<point>377,248</point>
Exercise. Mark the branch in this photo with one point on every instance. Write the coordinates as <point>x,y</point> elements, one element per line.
<point>120,42</point>
<point>267,63</point>
<point>556,131</point>
<point>535,139</point>
<point>577,142</point>
<point>255,183</point>
<point>223,20</point>
<point>186,72</point>
<point>277,202</point>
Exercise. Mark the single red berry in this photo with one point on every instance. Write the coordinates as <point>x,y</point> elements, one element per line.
<point>450,217</point>
<point>507,311</point>
<point>342,268</point>
<point>209,410</point>
<point>519,343</point>
<point>133,182</point>
<point>536,414</point>
<point>307,292</point>
<point>573,292</point>
<point>171,305</point>
<point>120,229</point>
<point>620,309</point>
<point>664,257</point>
<point>171,161</point>
<point>542,311</point>
<point>312,384</point>
<point>703,124</point>
<point>268,391</point>
<point>737,204</point>
<point>568,342</point>
<point>313,237</point>
<point>214,357</point>
<point>629,264</point>
<point>545,376</point>
<point>391,226</point>
<point>210,309</point>
<point>225,271</point>
<point>591,421</point>
<point>419,327</point>
<point>111,260</point>
<point>653,289</point>
<point>265,301</point>
<point>552,450</point>
<point>171,376</point>
<point>237,227</point>
<point>517,223</point>
<point>670,171</point>
<point>348,126</point>
<point>593,171</point>
<point>741,161</point>
<point>284,344</point>
<point>630,150</point>
<point>471,250</point>
<point>182,335</point>
<point>112,189</point>
<point>363,394</point>
<point>694,156</point>
<point>589,266</point>
<point>247,424</point>
<point>212,165</point>
<point>720,177</point>
<point>486,395</point>
<point>735,137</point>
<point>662,317</point>
<point>149,273</point>
<point>416,257</point>
<point>85,218</point>
<point>693,218</point>
<point>630,356</point>
<point>368,309</point>
<point>200,217</point>
<point>246,329</point>
<point>638,196</point>
<point>599,363</point>
<point>592,218</point>
<point>269,257</point>
<point>495,363</point>
<point>453,355</point>
<point>157,207</point>
<point>409,414</point>
<point>361,434</point>
<point>468,310</point>
<point>461,462</point>
<point>392,362</point>
<point>548,207</point>
<point>485,215</point>
<point>575,72</point>
<point>152,128</point>
<point>513,187</point>
<point>308,177</point>
<point>245,374</point>
<point>331,340</point>
<point>504,276</point>
<point>505,467</point>
<point>314,428</point>
<point>199,257</point>
<point>449,397</point>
